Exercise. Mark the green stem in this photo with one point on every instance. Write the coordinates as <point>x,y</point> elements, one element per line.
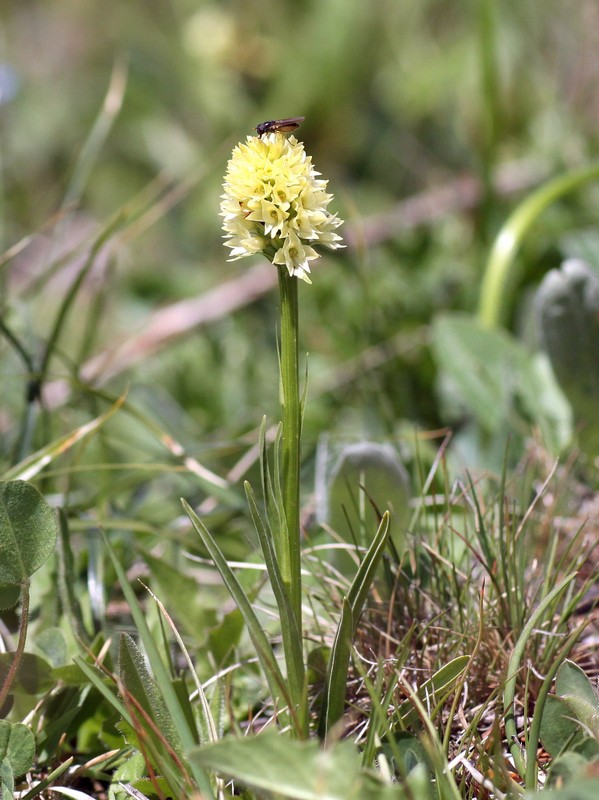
<point>501,273</point>
<point>16,662</point>
<point>509,689</point>
<point>289,546</point>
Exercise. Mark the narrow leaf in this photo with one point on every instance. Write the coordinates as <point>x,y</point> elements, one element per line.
<point>276,681</point>
<point>336,683</point>
<point>96,678</point>
<point>47,781</point>
<point>332,708</point>
<point>509,691</point>
<point>159,670</point>
<point>29,467</point>
<point>358,591</point>
<point>437,687</point>
<point>141,685</point>
<point>292,639</point>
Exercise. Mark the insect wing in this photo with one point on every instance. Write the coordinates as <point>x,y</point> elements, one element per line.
<point>289,124</point>
<point>279,125</point>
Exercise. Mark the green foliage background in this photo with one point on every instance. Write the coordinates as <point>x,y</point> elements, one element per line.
<point>399,98</point>
<point>431,120</point>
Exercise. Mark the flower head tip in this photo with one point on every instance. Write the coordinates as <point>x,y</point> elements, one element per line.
<point>275,203</point>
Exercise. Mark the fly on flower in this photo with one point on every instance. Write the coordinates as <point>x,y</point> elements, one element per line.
<point>279,125</point>
<point>275,201</point>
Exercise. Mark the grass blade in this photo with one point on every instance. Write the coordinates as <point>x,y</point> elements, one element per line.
<point>292,638</point>
<point>29,467</point>
<point>509,691</point>
<point>438,686</point>
<point>364,577</point>
<point>48,780</point>
<point>276,681</point>
<point>160,672</point>
<point>334,694</point>
<point>106,118</point>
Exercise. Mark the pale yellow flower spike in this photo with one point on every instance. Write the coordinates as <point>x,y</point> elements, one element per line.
<point>274,203</point>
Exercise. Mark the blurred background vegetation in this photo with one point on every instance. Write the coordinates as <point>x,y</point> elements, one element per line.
<point>430,119</point>
<point>399,99</point>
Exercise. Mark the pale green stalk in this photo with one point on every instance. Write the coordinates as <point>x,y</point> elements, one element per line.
<point>288,544</point>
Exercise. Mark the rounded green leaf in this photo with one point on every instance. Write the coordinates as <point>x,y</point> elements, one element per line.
<point>52,646</point>
<point>585,712</point>
<point>567,303</point>
<point>17,745</point>
<point>379,470</point>
<point>560,730</point>
<point>355,483</point>
<point>9,595</point>
<point>28,531</point>
<point>34,676</point>
<point>572,680</point>
<point>567,307</point>
<point>568,767</point>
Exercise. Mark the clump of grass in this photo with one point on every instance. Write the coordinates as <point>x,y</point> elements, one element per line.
<point>471,578</point>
